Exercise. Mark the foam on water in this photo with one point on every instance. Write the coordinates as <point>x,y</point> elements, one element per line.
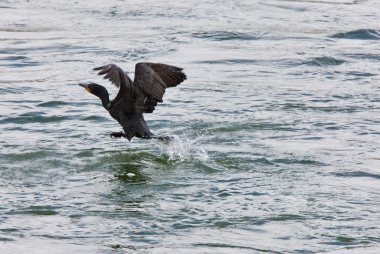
<point>182,149</point>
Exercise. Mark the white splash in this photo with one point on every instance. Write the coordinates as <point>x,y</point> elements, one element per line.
<point>182,148</point>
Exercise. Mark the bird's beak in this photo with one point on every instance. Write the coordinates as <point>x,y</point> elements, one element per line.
<point>85,87</point>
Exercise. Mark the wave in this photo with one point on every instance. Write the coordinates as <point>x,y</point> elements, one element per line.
<point>323,61</point>
<point>358,174</point>
<point>228,61</point>
<point>45,210</point>
<point>250,126</point>
<point>367,56</point>
<point>35,117</point>
<point>360,34</point>
<point>52,104</point>
<point>226,35</point>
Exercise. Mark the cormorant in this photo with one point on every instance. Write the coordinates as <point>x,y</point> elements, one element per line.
<point>135,97</point>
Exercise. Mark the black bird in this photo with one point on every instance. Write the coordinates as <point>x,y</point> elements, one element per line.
<point>137,97</point>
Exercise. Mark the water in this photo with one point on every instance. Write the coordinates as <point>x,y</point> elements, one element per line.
<point>277,128</point>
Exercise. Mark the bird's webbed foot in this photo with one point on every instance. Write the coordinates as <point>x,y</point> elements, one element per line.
<point>119,134</point>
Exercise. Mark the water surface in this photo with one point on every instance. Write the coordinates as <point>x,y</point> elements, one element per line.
<point>277,128</point>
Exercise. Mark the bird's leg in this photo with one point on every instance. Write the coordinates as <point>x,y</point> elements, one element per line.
<point>117,134</point>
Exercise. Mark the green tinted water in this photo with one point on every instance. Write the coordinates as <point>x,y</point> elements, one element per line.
<point>277,128</point>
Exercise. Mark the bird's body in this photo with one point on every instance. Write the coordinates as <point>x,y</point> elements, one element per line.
<point>135,97</point>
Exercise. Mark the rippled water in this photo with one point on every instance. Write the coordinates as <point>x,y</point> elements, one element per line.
<point>277,128</point>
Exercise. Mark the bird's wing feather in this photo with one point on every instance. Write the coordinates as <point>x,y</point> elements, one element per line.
<point>124,99</point>
<point>153,78</point>
<point>148,88</point>
<point>116,75</point>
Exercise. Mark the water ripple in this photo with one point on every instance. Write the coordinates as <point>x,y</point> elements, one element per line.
<point>36,210</point>
<point>228,61</point>
<point>53,104</point>
<point>226,35</point>
<point>358,174</point>
<point>323,61</point>
<point>275,130</point>
<point>34,117</point>
<point>360,34</point>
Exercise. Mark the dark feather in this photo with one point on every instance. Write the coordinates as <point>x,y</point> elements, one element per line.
<point>153,78</point>
<point>148,88</point>
<point>116,75</point>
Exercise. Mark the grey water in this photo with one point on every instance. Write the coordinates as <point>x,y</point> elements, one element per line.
<point>276,129</point>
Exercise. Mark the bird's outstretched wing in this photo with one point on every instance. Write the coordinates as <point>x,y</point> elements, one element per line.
<point>124,98</point>
<point>152,79</point>
<point>148,88</point>
<point>116,75</point>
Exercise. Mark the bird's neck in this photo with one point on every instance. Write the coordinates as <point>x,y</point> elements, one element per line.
<point>105,101</point>
<point>103,95</point>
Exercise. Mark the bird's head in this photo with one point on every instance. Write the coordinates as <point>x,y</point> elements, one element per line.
<point>97,90</point>
<point>93,88</point>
